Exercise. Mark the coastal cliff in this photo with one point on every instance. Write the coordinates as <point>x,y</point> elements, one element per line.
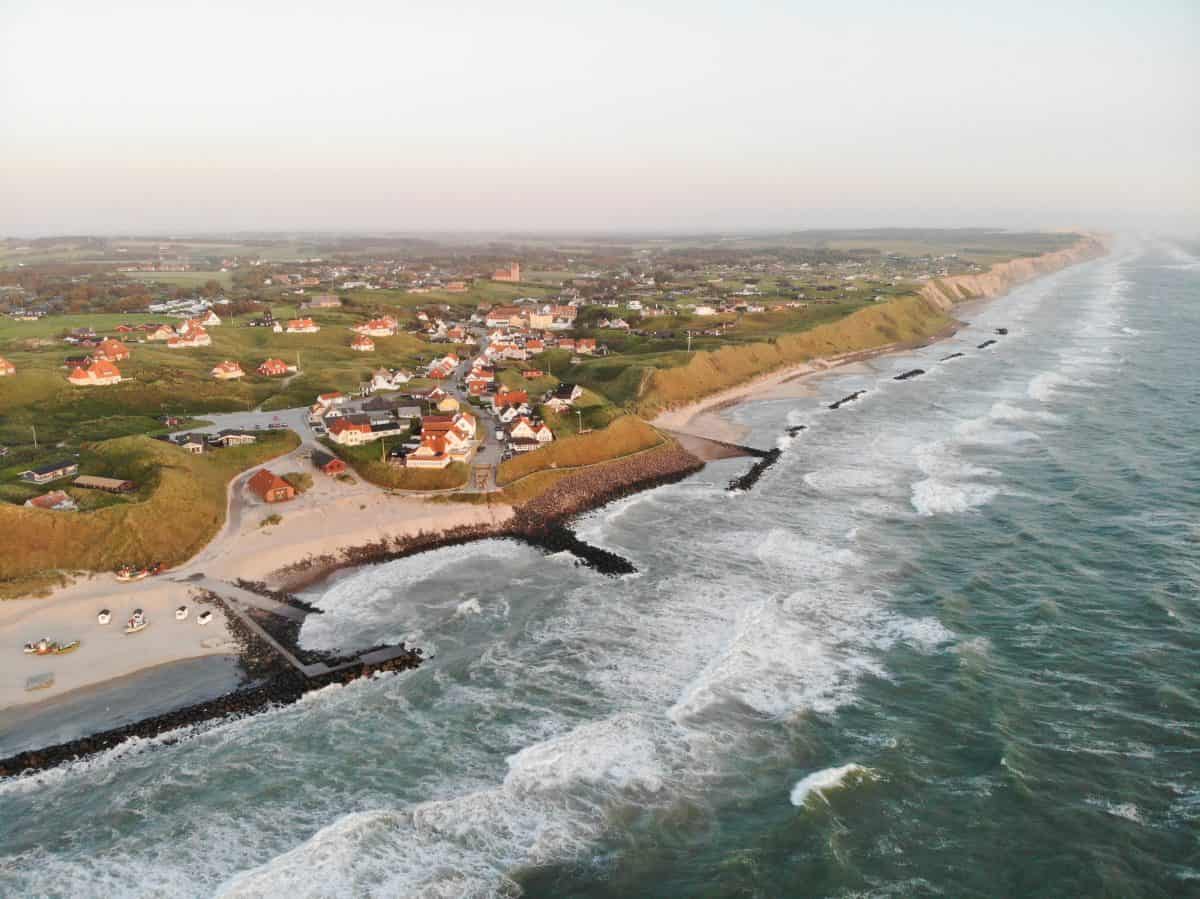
<point>1003,276</point>
<point>904,321</point>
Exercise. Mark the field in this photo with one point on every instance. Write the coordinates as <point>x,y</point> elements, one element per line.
<point>180,506</point>
<point>177,381</point>
<point>182,279</point>
<point>369,463</point>
<point>626,435</point>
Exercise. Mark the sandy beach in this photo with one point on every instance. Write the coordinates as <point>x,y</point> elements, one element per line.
<point>331,516</point>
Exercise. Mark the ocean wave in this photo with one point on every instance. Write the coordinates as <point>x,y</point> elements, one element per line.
<point>828,779</point>
<point>1044,387</point>
<point>1006,411</point>
<point>933,497</point>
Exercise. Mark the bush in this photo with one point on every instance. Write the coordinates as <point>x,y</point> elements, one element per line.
<point>270,520</point>
<point>301,481</point>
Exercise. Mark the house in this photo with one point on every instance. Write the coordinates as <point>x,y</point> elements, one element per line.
<point>586,346</point>
<point>377,327</point>
<point>227,371</point>
<point>112,350</point>
<point>100,373</point>
<point>350,430</point>
<point>270,487</point>
<point>505,316</point>
<point>331,399</point>
<point>209,319</point>
<point>6,368</point>
<point>302,326</point>
<point>447,404</point>
<point>108,485</point>
<point>47,473</point>
<point>505,398</point>
<point>323,301</point>
<point>54,501</point>
<point>512,273</point>
<point>232,437</point>
<point>568,393</point>
<point>383,379</point>
<point>527,429</point>
<point>162,332</point>
<point>704,310</point>
<point>456,287</point>
<point>196,444</point>
<point>430,454</point>
<point>362,343</point>
<point>328,463</point>
<point>190,335</point>
<point>531,373</point>
<point>274,368</point>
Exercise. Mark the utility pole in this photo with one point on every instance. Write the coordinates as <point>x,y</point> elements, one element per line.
<point>689,334</point>
<point>34,429</point>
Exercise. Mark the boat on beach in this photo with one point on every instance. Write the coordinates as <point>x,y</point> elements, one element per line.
<point>181,613</point>
<point>104,617</point>
<point>47,647</point>
<point>137,622</point>
<point>204,618</point>
<point>127,573</point>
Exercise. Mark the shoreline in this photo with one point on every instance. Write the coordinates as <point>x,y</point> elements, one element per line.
<point>374,533</point>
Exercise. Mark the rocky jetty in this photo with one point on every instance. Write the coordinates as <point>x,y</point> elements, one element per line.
<point>847,399</point>
<point>953,356</point>
<point>275,683</point>
<point>985,344</point>
<point>911,373</point>
<point>750,478</point>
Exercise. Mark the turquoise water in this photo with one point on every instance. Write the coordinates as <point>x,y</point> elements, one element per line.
<point>948,645</point>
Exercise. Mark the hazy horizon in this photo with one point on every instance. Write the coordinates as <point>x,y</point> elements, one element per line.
<point>701,118</point>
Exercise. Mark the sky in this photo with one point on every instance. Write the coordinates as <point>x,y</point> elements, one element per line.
<point>419,116</point>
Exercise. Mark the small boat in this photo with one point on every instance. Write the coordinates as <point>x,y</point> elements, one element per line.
<point>30,648</point>
<point>181,613</point>
<point>127,573</point>
<point>137,622</point>
<point>63,648</point>
<point>104,617</point>
<point>204,618</point>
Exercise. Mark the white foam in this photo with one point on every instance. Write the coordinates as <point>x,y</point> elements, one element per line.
<point>1045,386</point>
<point>934,497</point>
<point>821,782</point>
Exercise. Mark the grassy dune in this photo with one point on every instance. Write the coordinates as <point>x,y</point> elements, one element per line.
<point>904,319</point>
<point>628,434</point>
<point>183,508</point>
<point>367,462</point>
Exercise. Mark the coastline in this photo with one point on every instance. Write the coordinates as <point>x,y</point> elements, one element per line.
<point>371,525</point>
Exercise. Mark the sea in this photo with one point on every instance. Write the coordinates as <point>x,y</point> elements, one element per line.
<point>948,645</point>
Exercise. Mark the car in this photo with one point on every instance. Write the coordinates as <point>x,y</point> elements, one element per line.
<point>275,426</point>
<point>500,436</point>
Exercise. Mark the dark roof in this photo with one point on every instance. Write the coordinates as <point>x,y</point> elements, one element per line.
<point>53,466</point>
<point>236,432</point>
<point>321,458</point>
<point>564,391</point>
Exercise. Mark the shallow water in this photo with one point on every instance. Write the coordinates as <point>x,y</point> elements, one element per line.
<point>948,645</point>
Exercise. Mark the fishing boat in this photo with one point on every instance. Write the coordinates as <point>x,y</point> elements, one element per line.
<point>181,613</point>
<point>127,573</point>
<point>104,617</point>
<point>48,647</point>
<point>204,618</point>
<point>137,622</point>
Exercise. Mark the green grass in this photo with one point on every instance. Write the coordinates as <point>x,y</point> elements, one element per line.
<point>368,462</point>
<point>177,380</point>
<point>180,506</point>
<point>182,279</point>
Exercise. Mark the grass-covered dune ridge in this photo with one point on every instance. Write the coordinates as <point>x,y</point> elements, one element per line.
<point>183,509</point>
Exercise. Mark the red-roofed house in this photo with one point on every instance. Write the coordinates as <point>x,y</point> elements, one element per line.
<point>302,326</point>
<point>270,487</point>
<point>227,371</point>
<point>274,368</point>
<point>6,368</point>
<point>100,373</point>
<point>349,431</point>
<point>362,343</point>
<point>430,454</point>
<point>112,350</point>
